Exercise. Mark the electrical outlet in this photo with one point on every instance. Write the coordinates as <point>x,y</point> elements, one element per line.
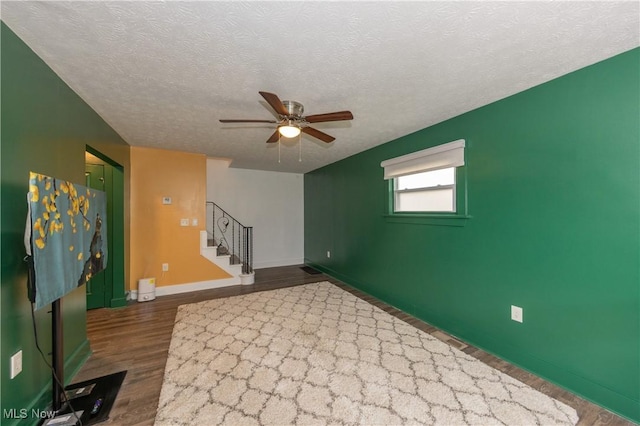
<point>165,267</point>
<point>184,222</point>
<point>328,254</point>
<point>166,200</point>
<point>16,364</point>
<point>516,313</point>
<point>194,222</point>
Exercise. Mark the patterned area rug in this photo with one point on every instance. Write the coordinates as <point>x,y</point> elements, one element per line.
<point>316,354</point>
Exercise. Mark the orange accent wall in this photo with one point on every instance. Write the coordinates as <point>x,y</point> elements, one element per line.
<point>156,234</point>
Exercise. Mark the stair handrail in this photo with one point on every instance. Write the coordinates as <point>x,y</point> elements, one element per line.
<point>240,253</point>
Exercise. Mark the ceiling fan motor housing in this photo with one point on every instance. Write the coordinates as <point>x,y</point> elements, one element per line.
<point>294,108</point>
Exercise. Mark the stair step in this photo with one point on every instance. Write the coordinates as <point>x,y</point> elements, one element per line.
<point>220,256</point>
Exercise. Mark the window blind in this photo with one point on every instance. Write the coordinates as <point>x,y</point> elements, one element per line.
<point>438,157</point>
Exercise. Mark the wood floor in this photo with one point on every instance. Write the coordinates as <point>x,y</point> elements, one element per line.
<point>136,338</point>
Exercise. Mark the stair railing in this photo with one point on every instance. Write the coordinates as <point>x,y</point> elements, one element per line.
<point>230,236</point>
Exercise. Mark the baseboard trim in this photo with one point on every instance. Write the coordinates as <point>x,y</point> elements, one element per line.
<point>276,263</point>
<point>167,290</point>
<point>118,302</point>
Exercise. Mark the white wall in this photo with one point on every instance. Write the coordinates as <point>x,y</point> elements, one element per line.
<point>271,202</point>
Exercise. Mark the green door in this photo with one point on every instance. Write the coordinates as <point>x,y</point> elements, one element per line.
<point>94,174</point>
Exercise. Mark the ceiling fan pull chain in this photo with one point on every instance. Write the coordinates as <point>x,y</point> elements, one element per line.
<point>300,148</point>
<point>278,147</point>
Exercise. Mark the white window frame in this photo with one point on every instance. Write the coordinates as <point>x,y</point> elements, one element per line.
<point>397,192</point>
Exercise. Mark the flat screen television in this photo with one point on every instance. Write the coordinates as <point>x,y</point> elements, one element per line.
<point>66,236</point>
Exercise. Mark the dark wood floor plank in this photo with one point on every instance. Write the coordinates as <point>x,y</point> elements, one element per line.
<point>136,338</point>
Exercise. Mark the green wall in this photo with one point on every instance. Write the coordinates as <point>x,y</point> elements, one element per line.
<point>45,127</point>
<point>553,195</point>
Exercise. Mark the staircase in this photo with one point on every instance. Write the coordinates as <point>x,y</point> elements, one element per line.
<point>228,244</point>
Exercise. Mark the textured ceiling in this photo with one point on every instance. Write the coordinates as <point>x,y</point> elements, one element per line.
<point>163,73</point>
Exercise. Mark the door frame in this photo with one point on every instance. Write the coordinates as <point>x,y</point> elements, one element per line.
<point>114,292</point>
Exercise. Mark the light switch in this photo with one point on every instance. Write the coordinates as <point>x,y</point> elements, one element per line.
<point>516,313</point>
<point>16,364</point>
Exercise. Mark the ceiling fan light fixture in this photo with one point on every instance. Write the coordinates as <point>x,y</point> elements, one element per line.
<point>289,131</point>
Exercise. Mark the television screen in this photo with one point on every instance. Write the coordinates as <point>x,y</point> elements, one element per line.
<point>66,235</point>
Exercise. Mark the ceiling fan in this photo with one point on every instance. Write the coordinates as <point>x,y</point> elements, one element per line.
<point>291,121</point>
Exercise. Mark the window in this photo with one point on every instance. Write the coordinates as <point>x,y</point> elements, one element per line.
<point>428,184</point>
<point>433,191</point>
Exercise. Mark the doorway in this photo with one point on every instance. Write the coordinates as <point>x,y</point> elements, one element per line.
<point>106,290</point>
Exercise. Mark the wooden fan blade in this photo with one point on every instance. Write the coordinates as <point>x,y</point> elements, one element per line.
<point>318,134</point>
<point>275,102</point>
<point>274,137</point>
<point>331,116</point>
<point>248,121</point>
